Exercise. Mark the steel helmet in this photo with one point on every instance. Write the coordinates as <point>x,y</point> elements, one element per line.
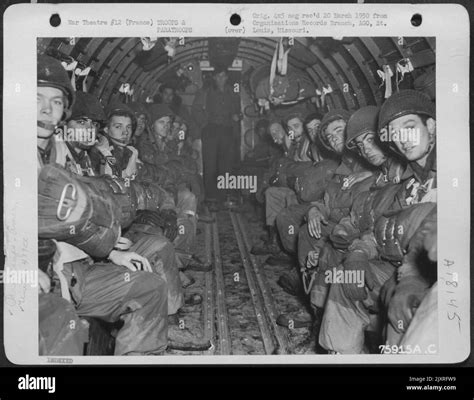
<point>405,102</point>
<point>363,121</point>
<point>88,106</point>
<point>51,73</point>
<point>329,117</point>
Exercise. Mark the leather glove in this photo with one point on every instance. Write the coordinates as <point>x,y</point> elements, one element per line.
<point>165,219</point>
<point>170,228</point>
<point>357,261</point>
<point>342,241</point>
<point>365,244</point>
<point>407,297</point>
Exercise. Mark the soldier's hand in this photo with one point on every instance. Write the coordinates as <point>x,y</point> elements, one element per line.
<point>315,219</point>
<point>102,143</point>
<point>44,283</point>
<point>352,179</point>
<point>406,299</point>
<point>430,241</point>
<point>131,260</point>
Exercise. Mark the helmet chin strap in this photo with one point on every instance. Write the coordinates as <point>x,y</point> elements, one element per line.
<point>116,140</point>
<point>44,125</point>
<point>428,150</point>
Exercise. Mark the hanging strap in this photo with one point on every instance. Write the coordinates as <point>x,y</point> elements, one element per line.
<point>148,42</point>
<point>65,253</point>
<point>273,70</point>
<point>132,167</point>
<point>386,76</point>
<point>403,67</point>
<point>282,63</point>
<point>104,148</point>
<point>308,280</point>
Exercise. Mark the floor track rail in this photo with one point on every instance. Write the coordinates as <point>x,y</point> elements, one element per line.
<point>222,319</point>
<point>262,288</point>
<point>256,295</point>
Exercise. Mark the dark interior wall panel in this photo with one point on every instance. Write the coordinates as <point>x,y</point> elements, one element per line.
<point>144,79</point>
<point>133,74</point>
<point>431,42</point>
<point>80,49</point>
<point>389,52</point>
<point>373,51</point>
<point>354,86</point>
<point>130,68</point>
<point>156,80</point>
<point>64,45</point>
<point>43,44</point>
<point>120,65</point>
<point>363,69</point>
<point>308,57</point>
<point>108,61</point>
<point>101,46</point>
<point>373,65</point>
<point>338,77</point>
<point>353,61</point>
<point>370,61</point>
<point>322,70</point>
<point>181,57</point>
<point>92,49</point>
<point>271,43</point>
<point>336,97</point>
<point>315,78</point>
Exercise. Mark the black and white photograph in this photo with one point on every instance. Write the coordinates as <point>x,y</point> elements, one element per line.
<point>306,167</point>
<point>263,192</point>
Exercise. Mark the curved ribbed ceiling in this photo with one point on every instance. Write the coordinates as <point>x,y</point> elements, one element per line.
<point>352,61</point>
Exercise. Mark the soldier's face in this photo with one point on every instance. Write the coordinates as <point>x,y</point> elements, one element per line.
<point>312,128</point>
<point>50,108</point>
<point>167,96</point>
<point>295,129</point>
<point>278,133</point>
<point>162,127</point>
<point>120,130</point>
<point>141,123</point>
<point>334,135</point>
<point>83,132</point>
<point>176,127</point>
<point>412,137</point>
<point>261,132</point>
<point>369,150</point>
<point>221,79</point>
